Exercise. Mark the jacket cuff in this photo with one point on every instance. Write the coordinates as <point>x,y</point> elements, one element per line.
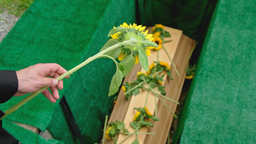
<point>8,84</point>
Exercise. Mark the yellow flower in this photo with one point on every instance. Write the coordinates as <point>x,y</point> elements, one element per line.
<point>147,111</point>
<point>158,26</point>
<point>159,42</point>
<point>134,32</point>
<point>140,73</point>
<point>107,133</point>
<point>115,36</point>
<point>164,64</point>
<point>121,56</point>
<point>160,82</point>
<point>150,67</point>
<point>156,34</point>
<point>124,89</point>
<point>140,29</point>
<point>136,59</point>
<point>148,53</point>
<point>136,116</point>
<point>189,77</point>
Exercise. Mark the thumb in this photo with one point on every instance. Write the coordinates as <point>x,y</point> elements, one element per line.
<point>49,82</point>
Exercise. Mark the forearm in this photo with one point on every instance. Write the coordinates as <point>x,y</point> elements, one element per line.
<point>8,84</point>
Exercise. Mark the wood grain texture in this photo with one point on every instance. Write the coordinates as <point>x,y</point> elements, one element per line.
<point>173,91</point>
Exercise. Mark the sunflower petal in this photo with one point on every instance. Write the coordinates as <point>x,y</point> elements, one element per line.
<point>142,28</point>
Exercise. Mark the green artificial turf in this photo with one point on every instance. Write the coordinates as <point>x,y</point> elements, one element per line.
<point>221,105</point>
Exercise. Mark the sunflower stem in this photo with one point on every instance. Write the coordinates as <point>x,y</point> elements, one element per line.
<point>146,99</point>
<point>133,88</point>
<point>129,135</point>
<point>105,126</point>
<point>172,62</point>
<point>90,59</point>
<point>149,88</point>
<point>175,116</point>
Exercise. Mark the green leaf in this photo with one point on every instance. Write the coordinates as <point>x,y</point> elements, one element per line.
<point>109,43</point>
<point>144,123</point>
<point>128,63</point>
<point>136,91</point>
<point>143,59</point>
<point>162,37</point>
<point>119,127</point>
<point>128,96</point>
<point>166,34</point>
<point>167,41</point>
<point>148,43</point>
<point>154,118</point>
<point>125,130</point>
<point>121,67</point>
<point>136,141</point>
<point>115,30</point>
<point>169,74</point>
<point>114,53</point>
<point>161,90</point>
<point>115,82</point>
<point>134,125</point>
<point>152,85</point>
<point>158,30</point>
<point>159,78</point>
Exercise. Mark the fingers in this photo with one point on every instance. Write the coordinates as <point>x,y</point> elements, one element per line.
<point>60,83</point>
<point>52,69</point>
<point>49,96</point>
<point>55,93</point>
<point>48,82</point>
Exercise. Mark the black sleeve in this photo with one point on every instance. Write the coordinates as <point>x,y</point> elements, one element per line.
<point>8,84</point>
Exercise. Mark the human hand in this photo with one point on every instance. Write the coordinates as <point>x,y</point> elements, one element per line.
<point>35,77</point>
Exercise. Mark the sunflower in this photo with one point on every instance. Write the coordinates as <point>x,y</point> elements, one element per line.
<point>160,82</point>
<point>141,73</point>
<point>164,64</point>
<point>150,68</point>
<point>121,56</point>
<point>124,89</point>
<point>148,52</point>
<point>159,42</point>
<point>147,111</point>
<point>189,77</point>
<point>156,34</point>
<point>136,59</point>
<point>157,26</point>
<point>133,32</point>
<point>136,116</point>
<point>115,36</point>
<point>107,133</point>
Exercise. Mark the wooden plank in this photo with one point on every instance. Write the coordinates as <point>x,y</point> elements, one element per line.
<point>173,90</point>
<point>139,101</point>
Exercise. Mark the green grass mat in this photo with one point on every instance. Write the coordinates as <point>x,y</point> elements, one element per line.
<point>25,136</point>
<point>48,32</point>
<point>61,32</point>
<point>222,102</point>
<point>88,91</point>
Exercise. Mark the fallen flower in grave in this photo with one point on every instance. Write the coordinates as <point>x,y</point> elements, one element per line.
<point>115,128</point>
